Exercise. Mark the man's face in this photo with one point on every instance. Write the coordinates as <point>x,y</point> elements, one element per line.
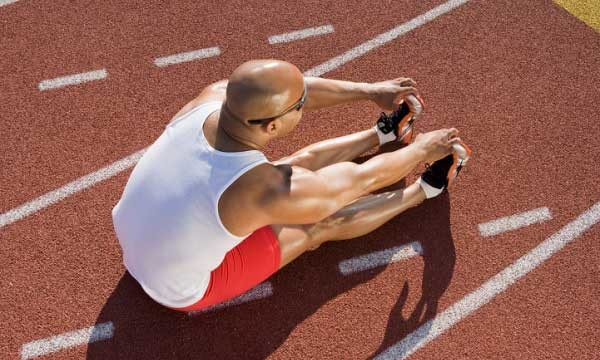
<point>291,120</point>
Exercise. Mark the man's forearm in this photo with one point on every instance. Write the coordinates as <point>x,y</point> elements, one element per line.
<point>331,151</point>
<point>327,92</point>
<point>388,168</point>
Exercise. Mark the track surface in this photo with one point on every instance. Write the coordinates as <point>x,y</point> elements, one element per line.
<point>518,78</point>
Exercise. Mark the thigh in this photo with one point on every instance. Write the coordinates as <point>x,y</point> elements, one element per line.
<point>294,240</point>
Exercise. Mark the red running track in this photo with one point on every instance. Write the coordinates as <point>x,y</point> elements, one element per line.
<point>519,79</point>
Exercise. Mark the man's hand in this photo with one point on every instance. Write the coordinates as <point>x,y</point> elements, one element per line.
<point>437,144</point>
<point>386,93</point>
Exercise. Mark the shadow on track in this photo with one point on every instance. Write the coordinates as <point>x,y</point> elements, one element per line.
<point>254,330</point>
<point>439,257</point>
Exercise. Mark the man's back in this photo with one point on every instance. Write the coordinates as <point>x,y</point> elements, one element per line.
<point>167,220</point>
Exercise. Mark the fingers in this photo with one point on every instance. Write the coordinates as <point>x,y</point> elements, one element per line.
<point>408,90</point>
<point>406,81</point>
<point>452,133</point>
<point>405,91</point>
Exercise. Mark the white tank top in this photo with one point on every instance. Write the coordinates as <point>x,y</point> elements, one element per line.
<point>167,219</point>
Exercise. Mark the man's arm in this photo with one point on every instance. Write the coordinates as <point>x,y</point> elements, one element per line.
<point>331,151</point>
<point>328,92</point>
<point>301,196</point>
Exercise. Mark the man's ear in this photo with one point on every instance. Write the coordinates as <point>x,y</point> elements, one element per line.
<point>273,126</point>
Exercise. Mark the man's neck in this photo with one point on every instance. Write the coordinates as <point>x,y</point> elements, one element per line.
<point>226,137</point>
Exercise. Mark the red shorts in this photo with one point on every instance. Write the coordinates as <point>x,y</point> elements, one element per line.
<point>248,264</point>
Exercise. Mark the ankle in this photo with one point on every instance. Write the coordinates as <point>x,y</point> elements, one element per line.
<point>428,190</point>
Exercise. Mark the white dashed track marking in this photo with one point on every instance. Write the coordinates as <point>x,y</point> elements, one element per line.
<point>71,188</point>
<point>261,291</point>
<point>491,288</point>
<point>300,34</point>
<point>380,258</point>
<point>7,2</point>
<point>72,79</point>
<point>385,38</point>
<point>56,343</point>
<point>187,56</point>
<point>514,222</point>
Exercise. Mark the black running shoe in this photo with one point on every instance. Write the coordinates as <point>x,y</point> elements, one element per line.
<point>442,173</point>
<point>401,121</point>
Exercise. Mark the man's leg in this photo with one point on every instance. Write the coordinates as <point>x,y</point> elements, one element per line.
<point>356,219</point>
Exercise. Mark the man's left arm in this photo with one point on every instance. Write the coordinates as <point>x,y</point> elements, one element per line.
<point>324,92</point>
<point>328,92</point>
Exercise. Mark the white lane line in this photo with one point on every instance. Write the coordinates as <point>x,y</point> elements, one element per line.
<point>7,2</point>
<point>514,222</point>
<point>380,258</point>
<point>72,79</point>
<point>52,344</point>
<point>384,38</point>
<point>300,34</point>
<point>71,188</point>
<point>494,286</point>
<point>319,70</point>
<point>261,291</point>
<point>187,56</point>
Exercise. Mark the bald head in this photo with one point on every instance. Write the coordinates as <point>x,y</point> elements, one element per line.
<point>263,88</point>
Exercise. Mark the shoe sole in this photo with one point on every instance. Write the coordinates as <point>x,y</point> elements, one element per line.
<point>406,126</point>
<point>408,135</point>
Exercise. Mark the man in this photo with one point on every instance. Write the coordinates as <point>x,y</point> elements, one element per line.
<point>205,216</point>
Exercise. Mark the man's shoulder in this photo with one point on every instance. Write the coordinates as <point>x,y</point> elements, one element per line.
<point>249,192</point>
<point>263,182</point>
<point>263,176</point>
<point>214,92</point>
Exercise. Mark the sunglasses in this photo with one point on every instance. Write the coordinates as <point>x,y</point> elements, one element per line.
<point>296,106</point>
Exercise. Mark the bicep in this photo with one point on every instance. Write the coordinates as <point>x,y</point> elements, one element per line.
<point>310,196</point>
<point>301,158</point>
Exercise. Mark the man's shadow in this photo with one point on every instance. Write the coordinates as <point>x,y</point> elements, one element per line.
<point>439,258</point>
<point>254,330</point>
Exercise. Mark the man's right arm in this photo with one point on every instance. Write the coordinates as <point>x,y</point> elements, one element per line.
<point>295,195</point>
<point>300,196</point>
